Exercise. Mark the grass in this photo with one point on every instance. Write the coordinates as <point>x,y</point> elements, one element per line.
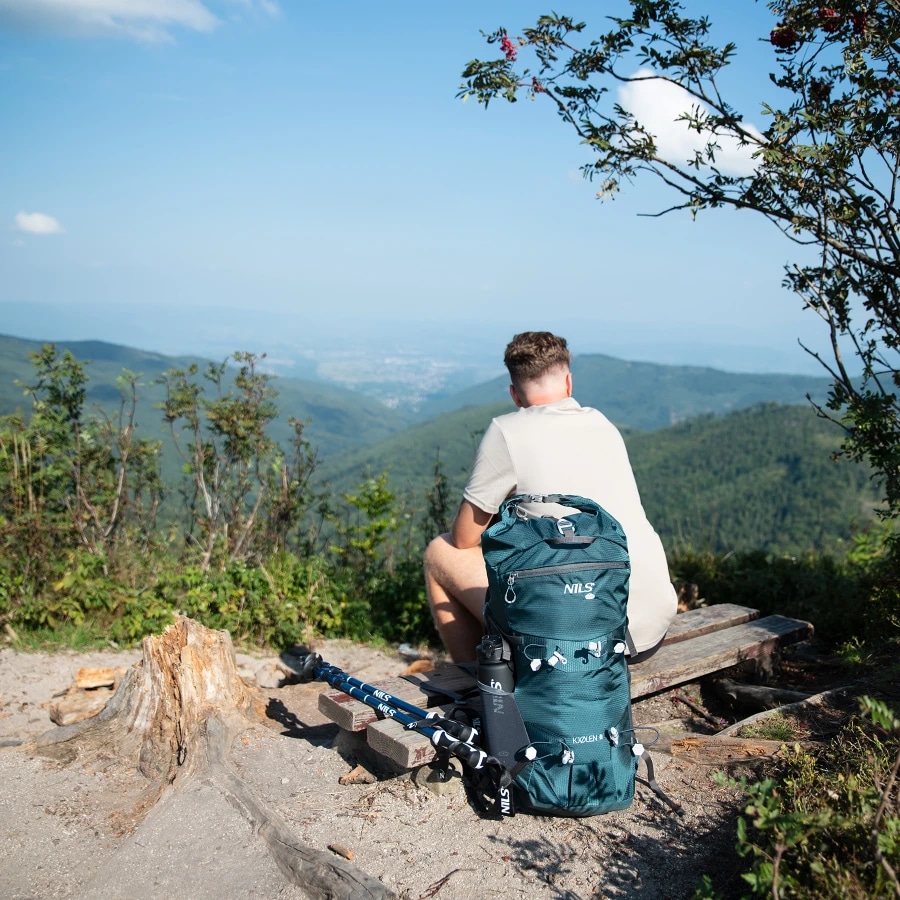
<point>78,638</point>
<point>775,727</point>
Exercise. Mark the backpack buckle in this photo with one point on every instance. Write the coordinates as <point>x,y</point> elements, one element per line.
<point>565,525</point>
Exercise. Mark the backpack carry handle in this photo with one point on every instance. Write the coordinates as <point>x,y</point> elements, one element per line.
<point>510,506</point>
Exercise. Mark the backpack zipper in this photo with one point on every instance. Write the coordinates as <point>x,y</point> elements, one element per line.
<point>510,595</point>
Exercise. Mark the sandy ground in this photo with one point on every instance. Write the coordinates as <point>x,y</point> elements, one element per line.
<point>96,832</point>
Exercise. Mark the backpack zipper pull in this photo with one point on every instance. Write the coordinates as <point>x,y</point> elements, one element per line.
<point>510,595</point>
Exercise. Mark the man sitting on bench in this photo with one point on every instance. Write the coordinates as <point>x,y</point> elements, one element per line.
<point>551,444</point>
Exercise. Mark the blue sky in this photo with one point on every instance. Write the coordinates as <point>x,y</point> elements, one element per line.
<point>173,170</point>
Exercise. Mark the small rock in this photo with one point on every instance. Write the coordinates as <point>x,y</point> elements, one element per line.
<point>408,652</point>
<point>341,850</point>
<point>430,779</point>
<point>269,675</point>
<point>359,775</point>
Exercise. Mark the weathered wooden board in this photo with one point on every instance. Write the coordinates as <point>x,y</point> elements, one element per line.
<point>699,642</point>
<point>353,715</point>
<point>684,661</point>
<point>408,749</point>
<point>706,619</point>
<point>715,750</point>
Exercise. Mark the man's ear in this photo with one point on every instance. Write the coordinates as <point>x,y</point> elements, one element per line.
<point>568,384</point>
<point>515,396</point>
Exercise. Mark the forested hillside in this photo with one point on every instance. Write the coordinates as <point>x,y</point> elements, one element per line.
<point>758,478</point>
<point>648,396</point>
<point>338,418</point>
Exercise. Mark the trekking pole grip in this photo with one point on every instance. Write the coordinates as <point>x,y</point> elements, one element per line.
<point>470,755</point>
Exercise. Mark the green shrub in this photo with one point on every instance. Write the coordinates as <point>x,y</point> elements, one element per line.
<point>827,824</point>
<point>399,607</point>
<point>284,601</point>
<point>837,597</point>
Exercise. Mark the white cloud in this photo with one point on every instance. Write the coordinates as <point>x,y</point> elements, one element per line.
<point>37,223</point>
<point>144,20</point>
<point>657,104</point>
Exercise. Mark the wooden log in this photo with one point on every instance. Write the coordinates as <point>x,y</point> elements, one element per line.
<point>716,750</point>
<point>685,661</point>
<point>755,696</point>
<point>836,697</point>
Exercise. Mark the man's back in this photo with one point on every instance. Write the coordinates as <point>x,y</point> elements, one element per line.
<point>563,447</point>
<point>551,446</point>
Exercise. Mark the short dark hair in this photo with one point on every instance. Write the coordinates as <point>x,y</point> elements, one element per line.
<point>531,354</point>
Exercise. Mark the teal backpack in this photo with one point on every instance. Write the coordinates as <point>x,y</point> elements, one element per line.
<point>552,669</point>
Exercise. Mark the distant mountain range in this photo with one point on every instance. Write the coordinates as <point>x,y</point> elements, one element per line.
<point>724,461</point>
<point>649,396</point>
<point>339,418</point>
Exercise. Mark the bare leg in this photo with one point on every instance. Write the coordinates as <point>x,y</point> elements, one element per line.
<point>456,582</point>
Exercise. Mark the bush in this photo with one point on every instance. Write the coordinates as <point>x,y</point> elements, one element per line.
<point>283,601</point>
<point>842,599</point>
<point>399,607</point>
<point>827,824</point>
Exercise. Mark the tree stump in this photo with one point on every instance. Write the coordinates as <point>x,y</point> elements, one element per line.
<point>174,717</point>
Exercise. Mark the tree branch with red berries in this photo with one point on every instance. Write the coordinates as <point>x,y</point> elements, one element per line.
<point>824,169</point>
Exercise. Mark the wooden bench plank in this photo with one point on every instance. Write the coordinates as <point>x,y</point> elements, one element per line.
<point>684,661</point>
<point>674,663</point>
<point>352,715</point>
<point>408,749</point>
<point>706,619</point>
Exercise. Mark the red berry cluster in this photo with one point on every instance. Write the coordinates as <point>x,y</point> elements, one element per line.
<point>830,18</point>
<point>508,48</point>
<point>784,37</point>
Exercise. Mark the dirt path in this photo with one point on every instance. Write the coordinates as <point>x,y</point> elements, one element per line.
<point>95,832</point>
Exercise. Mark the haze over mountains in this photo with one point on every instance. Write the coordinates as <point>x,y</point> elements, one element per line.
<point>368,353</point>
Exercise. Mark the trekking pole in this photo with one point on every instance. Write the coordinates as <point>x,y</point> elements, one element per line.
<point>457,729</point>
<point>444,734</point>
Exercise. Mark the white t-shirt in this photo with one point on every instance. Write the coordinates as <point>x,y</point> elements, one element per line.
<point>566,448</point>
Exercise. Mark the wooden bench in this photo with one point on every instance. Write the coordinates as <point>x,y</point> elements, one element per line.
<point>699,642</point>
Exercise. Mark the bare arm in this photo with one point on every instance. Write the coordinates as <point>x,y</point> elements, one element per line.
<point>468,525</point>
